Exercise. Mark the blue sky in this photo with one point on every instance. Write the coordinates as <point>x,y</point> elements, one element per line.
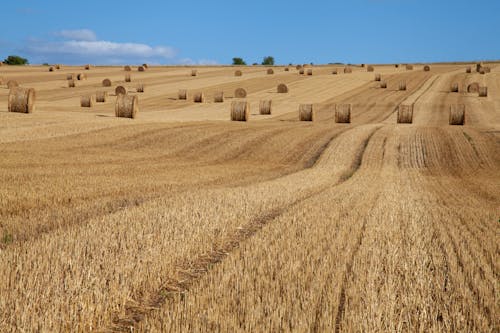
<point>205,32</point>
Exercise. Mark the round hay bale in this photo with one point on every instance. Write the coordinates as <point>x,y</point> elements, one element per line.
<point>409,67</point>
<point>287,69</point>
<point>127,68</point>
<point>198,97</point>
<point>101,96</point>
<point>141,68</point>
<point>383,85</point>
<point>183,94</point>
<point>468,70</point>
<point>71,84</point>
<point>454,87</point>
<point>282,88</point>
<point>335,72</point>
<point>51,69</point>
<point>378,77</point>
<point>127,106</point>
<point>194,72</point>
<point>483,91</point>
<point>87,67</point>
<point>240,93</point>
<point>87,101</point>
<point>427,68</point>
<point>306,112</point>
<point>145,66</point>
<point>405,114</point>
<point>298,67</point>
<point>238,73</point>
<point>106,83</point>
<point>219,97</point>
<point>270,71</point>
<point>457,114</point>
<point>347,70</point>
<point>370,69</point>
<point>310,71</point>
<point>58,66</point>
<point>363,65</point>
<point>70,77</point>
<point>396,65</point>
<point>22,100</point>
<point>301,71</point>
<point>402,85</point>
<point>12,84</point>
<point>343,113</point>
<point>482,71</point>
<point>478,67</point>
<point>240,110</point>
<point>81,77</point>
<point>128,78</point>
<point>265,106</point>
<point>120,90</point>
<point>140,88</point>
<point>473,87</point>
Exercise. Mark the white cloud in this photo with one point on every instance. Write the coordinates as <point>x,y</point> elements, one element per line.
<point>202,62</point>
<point>78,35</point>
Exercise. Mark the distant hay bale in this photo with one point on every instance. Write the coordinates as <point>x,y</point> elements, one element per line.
<point>483,91</point>
<point>343,113</point>
<point>457,114</point>
<point>145,66</point>
<point>378,77</point>
<point>140,88</point>
<point>427,68</point>
<point>51,69</point>
<point>270,71</point>
<point>240,110</point>
<point>347,70</point>
<point>482,71</point>
<point>473,87</point>
<point>182,94</point>
<point>12,84</point>
<point>198,97</point>
<point>240,93</point>
<point>287,69</point>
<point>87,67</point>
<point>219,97</point>
<point>70,76</point>
<point>402,85</point>
<point>396,65</point>
<point>310,71</point>
<point>128,78</point>
<point>363,65</point>
<point>298,67</point>
<point>454,87</point>
<point>306,112</point>
<point>301,71</point>
<point>22,100</point>
<point>58,66</point>
<point>370,69</point>
<point>127,68</point>
<point>409,67</point>
<point>71,84</point>
<point>120,90</point>
<point>81,77</point>
<point>335,71</point>
<point>238,73</point>
<point>468,70</point>
<point>87,101</point>
<point>141,68</point>
<point>127,106</point>
<point>487,69</point>
<point>282,88</point>
<point>405,114</point>
<point>478,67</point>
<point>106,83</point>
<point>194,72</point>
<point>101,96</point>
<point>265,106</point>
<point>383,85</point>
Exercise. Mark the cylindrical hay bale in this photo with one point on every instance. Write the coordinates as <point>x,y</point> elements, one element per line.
<point>370,69</point>
<point>396,65</point>
<point>240,110</point>
<point>454,87</point>
<point>145,66</point>
<point>347,70</point>
<point>282,88</point>
<point>270,71</point>
<point>343,113</point>
<point>468,70</point>
<point>87,67</point>
<point>140,88</point>
<point>87,101</point>
<point>12,84</point>
<point>298,67</point>
<point>51,69</point>
<point>71,84</point>
<point>265,106</point>
<point>409,67</point>
<point>427,68</point>
<point>127,68</point>
<point>483,91</point>
<point>405,114</point>
<point>482,71</point>
<point>183,94</point>
<point>22,100</point>
<point>402,85</point>
<point>81,76</point>
<point>301,71</point>
<point>141,68</point>
<point>127,106</point>
<point>306,112</point>
<point>473,87</point>
<point>478,67</point>
<point>238,73</point>
<point>198,97</point>
<point>287,69</point>
<point>240,93</point>
<point>194,72</point>
<point>383,85</point>
<point>58,66</point>
<point>70,77</point>
<point>219,97</point>
<point>378,77</point>
<point>128,78</point>
<point>335,72</point>
<point>101,96</point>
<point>120,90</point>
<point>310,71</point>
<point>106,83</point>
<point>457,114</point>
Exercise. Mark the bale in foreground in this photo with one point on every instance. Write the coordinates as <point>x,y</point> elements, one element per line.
<point>457,114</point>
<point>22,100</point>
<point>306,112</point>
<point>265,106</point>
<point>343,113</point>
<point>240,110</point>
<point>405,114</point>
<point>126,106</point>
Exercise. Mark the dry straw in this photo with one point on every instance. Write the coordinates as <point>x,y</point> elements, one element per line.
<point>454,87</point>
<point>219,97</point>
<point>347,70</point>
<point>282,88</point>
<point>402,85</point>
<point>238,73</point>
<point>310,71</point>
<point>306,112</point>
<point>127,68</point>
<point>87,101</point>
<point>265,106</point>
<point>483,91</point>
<point>12,84</point>
<point>106,83</point>
<point>473,87</point>
<point>378,77</point>
<point>183,94</point>
<point>457,114</point>
<point>240,110</point>
<point>81,76</point>
<point>140,88</point>
<point>240,93</point>
<point>198,97</point>
<point>383,85</point>
<point>370,69</point>
<point>22,100</point>
<point>120,90</point>
<point>343,113</point>
<point>427,68</point>
<point>101,96</point>
<point>128,78</point>
<point>270,71</point>
<point>71,83</point>
<point>127,106</point>
<point>141,68</point>
<point>409,67</point>
<point>405,114</point>
<point>194,72</point>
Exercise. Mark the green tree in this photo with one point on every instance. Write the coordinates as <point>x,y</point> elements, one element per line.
<point>269,61</point>
<point>15,60</point>
<point>239,61</point>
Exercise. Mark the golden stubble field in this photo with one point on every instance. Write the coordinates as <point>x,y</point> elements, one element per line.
<point>183,221</point>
